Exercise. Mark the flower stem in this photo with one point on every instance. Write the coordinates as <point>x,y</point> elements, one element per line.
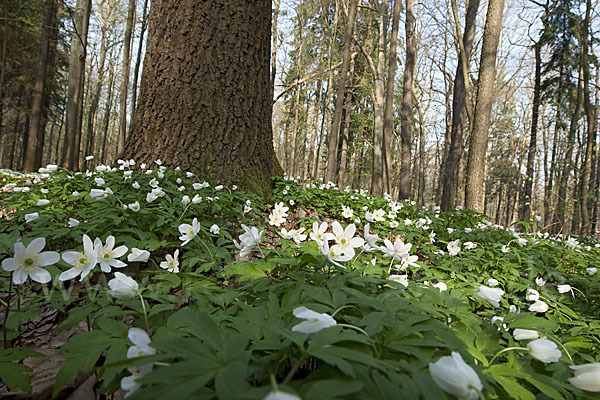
<point>274,382</point>
<point>4,331</point>
<point>505,350</point>
<point>356,328</point>
<point>145,312</point>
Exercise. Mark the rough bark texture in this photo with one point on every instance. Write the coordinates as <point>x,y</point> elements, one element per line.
<point>483,107</point>
<point>388,115</point>
<point>459,114</point>
<point>138,61</point>
<point>525,211</point>
<point>346,133</point>
<point>205,97</point>
<point>70,154</point>
<point>36,133</point>
<point>123,90</point>
<point>334,131</point>
<point>407,96</point>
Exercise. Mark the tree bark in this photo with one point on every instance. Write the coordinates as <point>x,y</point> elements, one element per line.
<point>138,61</point>
<point>591,127</point>
<point>483,107</point>
<point>36,133</point>
<point>388,115</point>
<point>334,131</point>
<point>525,210</point>
<point>459,113</point>
<point>346,132</point>
<point>70,154</point>
<point>407,98</point>
<point>197,108</point>
<point>123,90</point>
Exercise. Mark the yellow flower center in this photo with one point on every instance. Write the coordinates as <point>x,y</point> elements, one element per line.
<point>30,263</point>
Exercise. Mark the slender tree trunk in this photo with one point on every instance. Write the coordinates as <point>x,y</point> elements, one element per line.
<point>3,141</point>
<point>407,97</point>
<point>70,155</point>
<point>568,160</point>
<point>388,116</point>
<point>91,116</point>
<point>296,122</point>
<point>460,101</point>
<point>107,113</point>
<point>36,133</point>
<point>591,127</point>
<point>123,90</point>
<point>315,131</point>
<point>138,62</point>
<point>346,132</point>
<point>483,108</point>
<point>275,39</point>
<point>525,210</point>
<point>333,134</point>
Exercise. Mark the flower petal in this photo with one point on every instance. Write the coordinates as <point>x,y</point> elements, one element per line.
<point>40,275</point>
<point>48,258</point>
<point>36,245</point>
<point>10,264</point>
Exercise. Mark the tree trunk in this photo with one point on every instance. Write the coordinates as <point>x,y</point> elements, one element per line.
<point>314,132</point>
<point>560,220</point>
<point>70,154</point>
<point>525,210</point>
<point>591,127</point>
<point>123,90</point>
<point>334,131</point>
<point>388,116</point>
<point>195,111</point>
<point>274,46</point>
<point>483,107</point>
<point>107,113</point>
<point>138,61</point>
<point>346,132</point>
<point>36,132</point>
<point>407,96</point>
<point>91,116</point>
<point>459,114</point>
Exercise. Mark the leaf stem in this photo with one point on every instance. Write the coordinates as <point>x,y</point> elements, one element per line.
<point>505,350</point>
<point>145,312</point>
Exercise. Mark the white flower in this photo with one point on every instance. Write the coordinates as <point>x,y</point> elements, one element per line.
<point>73,223</point>
<point>43,190</point>
<point>369,216</point>
<point>492,282</point>
<point>122,286</point>
<point>456,377</point>
<point>248,240</point>
<point>185,200</point>
<point>564,288</point>
<point>214,229</point>
<point>441,285</point>
<point>522,241</point>
<point>347,213</point>
<point>470,245</point>
<point>75,193</point>
<point>318,231</point>
<point>432,237</point>
<point>525,334</point>
<point>468,230</point>
<point>171,263</point>
<point>98,193</point>
<point>394,224</point>
<point>280,209</point>
<point>407,222</point>
<point>135,185</point>
<point>398,250</point>
<point>138,255</point>
<point>532,295</point>
<point>540,281</point>
<point>505,249</point>
<point>31,217</point>
<point>493,295</point>
<point>277,395</point>
<point>189,232</point>
<point>276,219</point>
<point>108,256</point>
<point>345,242</point>
<point>43,202</point>
<point>27,262</point>
<point>135,207</point>
<point>539,306</point>
<point>314,321</point>
<point>379,215</point>
<point>297,235</point>
<point>247,209</point>
<point>572,242</point>
<point>544,350</point>
<point>401,279</point>
<point>369,239</point>
<point>450,230</point>
<point>88,158</point>
<point>82,262</point>
<point>332,254</point>
<point>587,377</point>
<point>591,271</point>
<point>99,181</point>
<point>453,247</point>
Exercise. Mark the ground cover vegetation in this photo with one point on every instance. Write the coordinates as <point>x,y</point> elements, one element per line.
<point>188,290</point>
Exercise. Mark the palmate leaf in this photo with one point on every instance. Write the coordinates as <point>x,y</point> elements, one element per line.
<point>12,373</point>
